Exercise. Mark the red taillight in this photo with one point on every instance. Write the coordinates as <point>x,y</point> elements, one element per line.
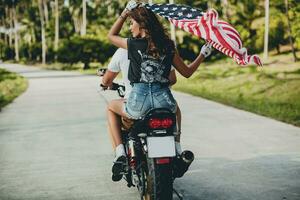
<point>161,161</point>
<point>160,123</point>
<point>154,123</point>
<point>166,123</point>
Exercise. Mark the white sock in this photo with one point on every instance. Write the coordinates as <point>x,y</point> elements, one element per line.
<point>178,148</point>
<point>120,150</point>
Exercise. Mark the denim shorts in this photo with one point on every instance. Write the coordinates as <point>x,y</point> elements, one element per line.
<point>146,96</point>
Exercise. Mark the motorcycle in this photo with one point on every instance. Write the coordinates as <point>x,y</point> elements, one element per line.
<point>150,148</point>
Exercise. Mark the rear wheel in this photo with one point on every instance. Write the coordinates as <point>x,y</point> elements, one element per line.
<point>159,181</point>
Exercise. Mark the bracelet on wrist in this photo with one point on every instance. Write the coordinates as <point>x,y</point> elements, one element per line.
<point>122,17</point>
<point>103,86</point>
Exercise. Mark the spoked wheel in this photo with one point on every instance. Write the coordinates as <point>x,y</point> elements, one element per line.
<point>159,182</point>
<point>141,183</point>
<point>147,189</point>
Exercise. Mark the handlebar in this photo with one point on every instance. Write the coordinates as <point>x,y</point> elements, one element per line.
<point>119,88</point>
<point>115,86</point>
<point>101,71</point>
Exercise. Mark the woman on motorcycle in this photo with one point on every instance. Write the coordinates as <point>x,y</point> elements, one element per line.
<point>151,53</point>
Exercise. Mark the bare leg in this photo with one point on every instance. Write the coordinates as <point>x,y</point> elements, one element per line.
<point>115,110</point>
<point>109,130</point>
<point>110,136</point>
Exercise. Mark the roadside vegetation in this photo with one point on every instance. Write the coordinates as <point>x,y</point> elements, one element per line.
<point>272,90</point>
<point>72,35</point>
<point>11,86</point>
<point>75,31</point>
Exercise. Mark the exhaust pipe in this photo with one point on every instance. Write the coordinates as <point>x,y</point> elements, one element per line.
<point>187,156</point>
<point>182,163</point>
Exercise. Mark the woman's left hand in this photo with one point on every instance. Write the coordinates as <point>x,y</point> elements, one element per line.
<point>206,50</point>
<point>131,5</point>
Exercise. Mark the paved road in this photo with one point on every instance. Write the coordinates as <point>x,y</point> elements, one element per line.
<point>54,145</point>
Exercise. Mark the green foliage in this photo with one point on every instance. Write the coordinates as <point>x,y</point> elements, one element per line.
<point>11,86</point>
<point>189,47</point>
<point>31,52</point>
<point>247,16</point>
<point>295,19</point>
<point>277,28</point>
<point>271,91</point>
<point>8,53</point>
<point>85,50</point>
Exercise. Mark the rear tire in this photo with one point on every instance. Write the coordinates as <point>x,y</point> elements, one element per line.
<point>159,181</point>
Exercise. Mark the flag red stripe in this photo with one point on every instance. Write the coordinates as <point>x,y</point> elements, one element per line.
<point>203,22</point>
<point>233,31</point>
<point>222,35</point>
<point>219,36</point>
<point>198,31</point>
<point>237,40</point>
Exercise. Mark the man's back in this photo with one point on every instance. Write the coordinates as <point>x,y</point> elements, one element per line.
<point>120,63</point>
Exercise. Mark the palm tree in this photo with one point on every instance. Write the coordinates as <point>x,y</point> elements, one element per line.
<point>11,13</point>
<point>74,9</point>
<point>56,14</point>
<point>83,27</point>
<point>16,28</point>
<point>266,41</point>
<point>44,47</point>
<point>9,21</point>
<point>46,13</point>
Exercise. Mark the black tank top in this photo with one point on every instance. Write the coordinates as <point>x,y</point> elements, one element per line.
<point>144,68</point>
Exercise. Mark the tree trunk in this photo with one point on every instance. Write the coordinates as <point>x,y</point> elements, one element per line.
<point>75,13</point>
<point>56,26</point>
<point>290,31</point>
<point>10,27</point>
<point>266,41</point>
<point>83,27</point>
<point>44,47</point>
<point>3,24</point>
<point>6,40</point>
<point>46,13</point>
<point>16,33</point>
<point>86,66</point>
<point>278,49</point>
<point>77,23</point>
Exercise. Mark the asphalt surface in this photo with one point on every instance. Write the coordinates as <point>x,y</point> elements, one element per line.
<point>54,145</point>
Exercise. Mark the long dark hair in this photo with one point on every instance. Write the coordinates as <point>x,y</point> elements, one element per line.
<point>159,42</point>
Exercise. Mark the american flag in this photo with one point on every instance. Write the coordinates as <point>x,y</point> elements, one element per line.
<point>220,34</point>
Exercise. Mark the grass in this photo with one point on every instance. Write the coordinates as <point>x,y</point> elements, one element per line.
<point>272,90</point>
<point>11,86</point>
<point>78,67</point>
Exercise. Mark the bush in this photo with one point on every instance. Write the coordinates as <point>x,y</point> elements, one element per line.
<point>7,53</point>
<point>84,50</point>
<point>11,86</point>
<point>277,29</point>
<point>31,52</point>
<point>2,44</point>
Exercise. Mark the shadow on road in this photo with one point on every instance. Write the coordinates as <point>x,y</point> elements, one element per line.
<point>267,177</point>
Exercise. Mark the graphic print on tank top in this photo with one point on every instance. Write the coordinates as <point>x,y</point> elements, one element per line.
<point>152,69</point>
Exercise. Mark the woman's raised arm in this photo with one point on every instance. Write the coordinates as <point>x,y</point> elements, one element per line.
<point>188,70</point>
<point>113,34</point>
